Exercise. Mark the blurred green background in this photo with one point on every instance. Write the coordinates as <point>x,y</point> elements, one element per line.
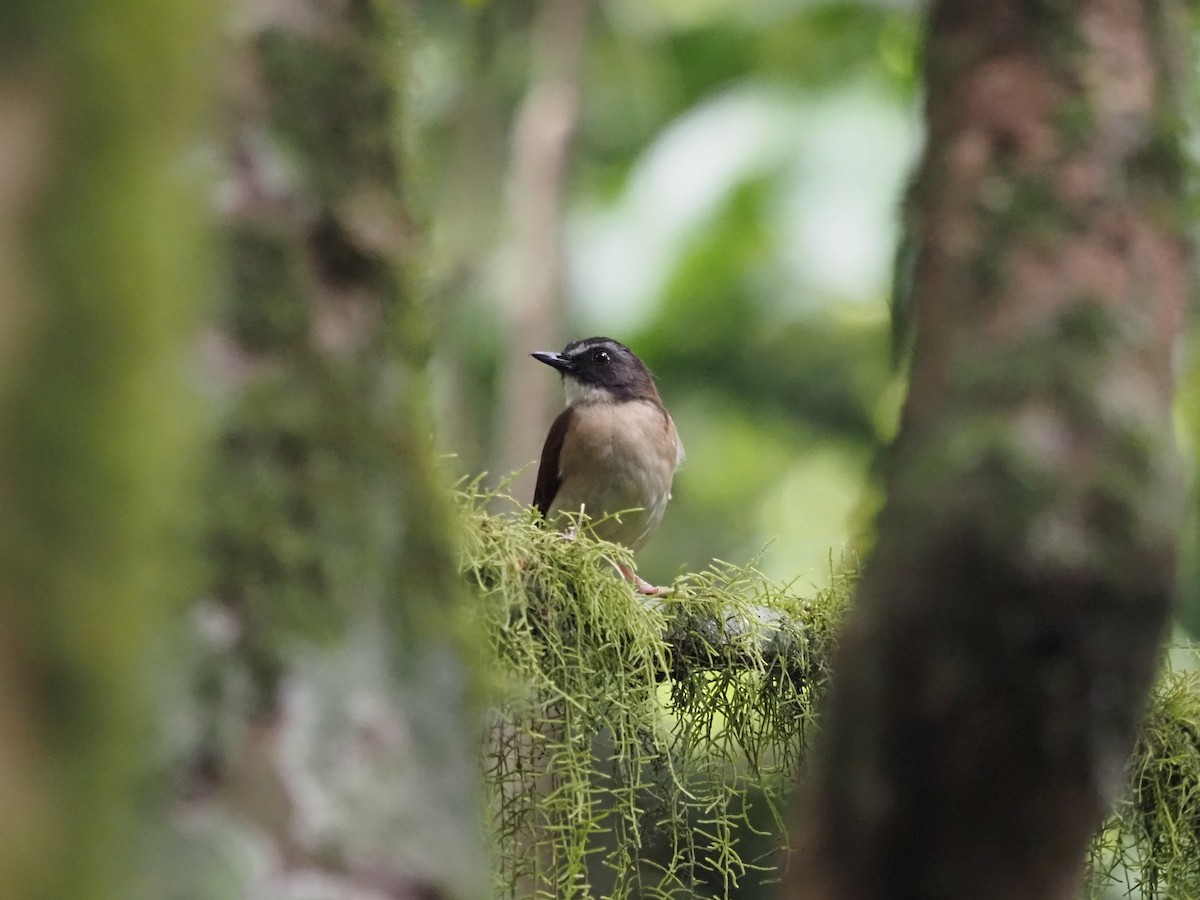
<point>728,203</point>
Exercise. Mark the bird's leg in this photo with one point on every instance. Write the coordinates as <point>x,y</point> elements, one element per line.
<point>643,586</point>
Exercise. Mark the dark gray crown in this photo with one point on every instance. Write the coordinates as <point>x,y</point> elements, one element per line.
<point>604,363</point>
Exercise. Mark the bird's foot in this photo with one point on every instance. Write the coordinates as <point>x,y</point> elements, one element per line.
<point>643,586</point>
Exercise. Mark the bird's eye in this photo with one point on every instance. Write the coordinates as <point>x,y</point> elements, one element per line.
<point>601,358</point>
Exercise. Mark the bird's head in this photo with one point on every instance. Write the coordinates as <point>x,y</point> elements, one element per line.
<point>600,370</point>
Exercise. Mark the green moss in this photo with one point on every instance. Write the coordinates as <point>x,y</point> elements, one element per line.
<point>634,740</point>
<point>1150,844</point>
<point>333,106</point>
<point>1056,28</point>
<point>1061,365</point>
<point>98,423</point>
<point>294,531</point>
<point>327,505</point>
<point>267,310</point>
<point>1074,123</point>
<point>629,734</point>
<point>1159,169</point>
<point>1016,208</point>
<point>1087,325</point>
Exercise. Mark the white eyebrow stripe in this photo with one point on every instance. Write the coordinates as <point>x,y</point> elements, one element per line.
<point>587,344</point>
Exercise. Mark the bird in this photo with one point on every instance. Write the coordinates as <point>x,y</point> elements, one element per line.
<point>612,453</point>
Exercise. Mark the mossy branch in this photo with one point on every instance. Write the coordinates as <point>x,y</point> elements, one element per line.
<point>1150,845</point>
<point>636,739</point>
<point>728,616</point>
<point>642,746</point>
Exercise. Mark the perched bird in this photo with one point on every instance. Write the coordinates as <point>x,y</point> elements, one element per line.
<point>613,451</point>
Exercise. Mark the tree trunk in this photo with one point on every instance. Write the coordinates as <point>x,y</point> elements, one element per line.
<point>991,677</point>
<point>102,265</point>
<point>331,525</point>
<point>533,301</point>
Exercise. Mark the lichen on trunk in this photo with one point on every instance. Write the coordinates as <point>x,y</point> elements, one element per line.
<point>331,524</point>
<point>988,687</point>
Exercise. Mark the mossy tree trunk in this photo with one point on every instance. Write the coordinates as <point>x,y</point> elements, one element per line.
<point>102,263</point>
<point>330,523</point>
<point>333,588</point>
<point>991,677</point>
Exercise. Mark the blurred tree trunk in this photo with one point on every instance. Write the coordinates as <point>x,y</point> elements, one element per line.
<point>464,186</point>
<point>533,298</point>
<point>990,680</point>
<point>330,523</point>
<point>333,585</point>
<point>101,266</point>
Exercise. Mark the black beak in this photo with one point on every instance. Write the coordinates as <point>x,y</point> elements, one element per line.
<point>554,360</point>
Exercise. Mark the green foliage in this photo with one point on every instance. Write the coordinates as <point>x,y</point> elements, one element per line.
<point>633,741</point>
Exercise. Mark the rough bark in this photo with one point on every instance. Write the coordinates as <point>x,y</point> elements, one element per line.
<point>991,677</point>
<point>331,525</point>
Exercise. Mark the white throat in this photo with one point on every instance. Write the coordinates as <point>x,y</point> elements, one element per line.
<point>579,393</point>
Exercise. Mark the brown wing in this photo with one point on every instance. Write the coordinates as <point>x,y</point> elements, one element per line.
<point>549,478</point>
